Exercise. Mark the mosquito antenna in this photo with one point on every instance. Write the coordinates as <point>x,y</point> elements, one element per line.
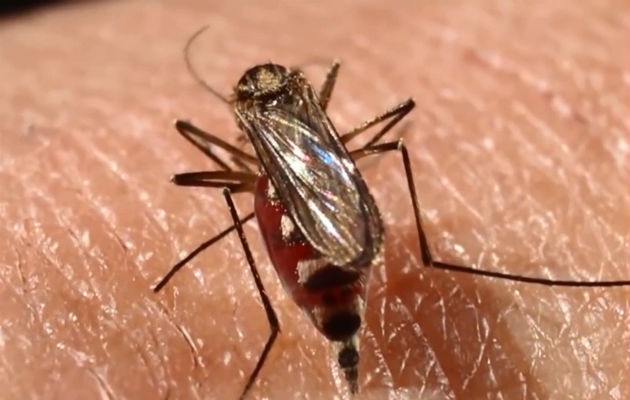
<point>194,73</point>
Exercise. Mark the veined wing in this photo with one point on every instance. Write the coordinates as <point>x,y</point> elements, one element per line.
<point>315,177</point>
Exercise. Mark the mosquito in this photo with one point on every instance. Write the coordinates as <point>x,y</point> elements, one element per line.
<point>320,224</point>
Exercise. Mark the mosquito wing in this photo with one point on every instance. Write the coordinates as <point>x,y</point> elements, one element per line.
<point>314,175</point>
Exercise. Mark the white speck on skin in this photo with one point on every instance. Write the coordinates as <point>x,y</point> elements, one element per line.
<point>227,357</point>
<point>487,143</point>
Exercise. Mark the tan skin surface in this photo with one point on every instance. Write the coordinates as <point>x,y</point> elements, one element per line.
<point>519,144</point>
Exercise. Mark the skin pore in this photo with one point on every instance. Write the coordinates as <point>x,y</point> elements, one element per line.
<point>519,143</point>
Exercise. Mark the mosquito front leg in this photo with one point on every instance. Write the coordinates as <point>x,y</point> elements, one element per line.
<point>396,114</point>
<point>329,84</point>
<point>236,181</point>
<point>203,141</point>
<point>427,258</point>
<point>274,325</point>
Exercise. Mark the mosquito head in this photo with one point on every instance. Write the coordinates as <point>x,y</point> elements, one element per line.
<point>262,81</point>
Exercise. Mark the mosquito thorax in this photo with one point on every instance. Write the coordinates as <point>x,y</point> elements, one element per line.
<point>262,81</point>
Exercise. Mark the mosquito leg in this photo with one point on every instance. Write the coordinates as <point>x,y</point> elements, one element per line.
<point>205,148</point>
<point>203,141</point>
<point>271,314</point>
<point>396,114</point>
<point>236,181</point>
<point>427,258</point>
<point>242,165</point>
<point>198,250</point>
<point>329,84</point>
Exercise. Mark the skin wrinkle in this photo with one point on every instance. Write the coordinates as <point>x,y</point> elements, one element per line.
<point>105,390</point>
<point>101,209</point>
<point>38,315</point>
<point>480,357</point>
<point>164,382</point>
<point>452,340</point>
<point>454,193</point>
<point>601,248</point>
<point>70,227</point>
<point>396,332</point>
<point>587,177</point>
<point>151,214</point>
<point>539,208</point>
<point>155,343</point>
<point>384,323</point>
<point>53,205</point>
<point>480,340</point>
<point>384,369</point>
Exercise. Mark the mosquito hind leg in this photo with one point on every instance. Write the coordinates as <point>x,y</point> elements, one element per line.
<point>396,114</point>
<point>427,257</point>
<point>274,325</point>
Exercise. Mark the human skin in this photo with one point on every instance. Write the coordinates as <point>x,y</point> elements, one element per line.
<point>519,144</point>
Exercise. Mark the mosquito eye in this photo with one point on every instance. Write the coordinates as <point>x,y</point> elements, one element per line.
<point>341,325</point>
